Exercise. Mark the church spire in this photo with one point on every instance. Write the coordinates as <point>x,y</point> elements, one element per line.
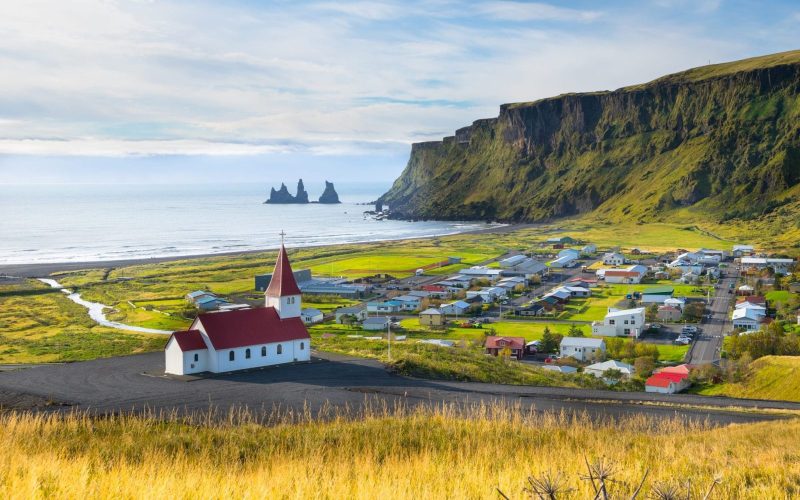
<point>282,283</point>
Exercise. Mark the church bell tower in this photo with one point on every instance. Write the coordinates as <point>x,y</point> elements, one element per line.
<point>283,293</point>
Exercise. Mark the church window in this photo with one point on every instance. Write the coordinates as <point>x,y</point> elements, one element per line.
<point>247,353</point>
<point>302,345</point>
<point>280,349</point>
<point>196,357</point>
<point>231,356</point>
<point>264,351</point>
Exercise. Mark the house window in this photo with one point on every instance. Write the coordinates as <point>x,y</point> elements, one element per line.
<point>302,345</point>
<point>627,331</point>
<point>280,349</point>
<point>196,357</point>
<point>231,356</point>
<point>611,322</point>
<point>633,321</point>
<point>247,353</point>
<point>626,321</point>
<point>263,351</point>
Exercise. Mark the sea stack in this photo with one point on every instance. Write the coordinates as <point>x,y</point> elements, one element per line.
<point>329,195</point>
<point>280,196</point>
<point>302,195</point>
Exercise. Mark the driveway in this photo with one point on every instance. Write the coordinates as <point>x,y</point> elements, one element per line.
<point>123,384</point>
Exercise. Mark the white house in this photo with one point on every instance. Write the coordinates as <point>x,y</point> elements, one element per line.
<point>567,260</point>
<point>613,259</point>
<point>780,266</point>
<point>512,261</point>
<point>359,313</point>
<point>311,316</point>
<point>589,249</point>
<point>748,318</point>
<point>599,369</point>
<point>582,348</point>
<point>388,306</point>
<point>624,322</point>
<point>629,275</point>
<point>743,250</point>
<point>375,324</point>
<point>245,338</point>
<point>457,307</point>
<point>408,302</point>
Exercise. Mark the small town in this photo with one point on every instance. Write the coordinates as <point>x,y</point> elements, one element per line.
<point>643,319</point>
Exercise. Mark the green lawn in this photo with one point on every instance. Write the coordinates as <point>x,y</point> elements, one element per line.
<point>777,296</point>
<point>50,328</point>
<point>772,377</point>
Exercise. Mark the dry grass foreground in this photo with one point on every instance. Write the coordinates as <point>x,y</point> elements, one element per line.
<point>385,453</point>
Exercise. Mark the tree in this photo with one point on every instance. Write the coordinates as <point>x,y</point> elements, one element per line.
<point>644,366</point>
<point>651,313</point>
<point>612,375</point>
<point>575,331</point>
<point>548,341</point>
<point>693,311</point>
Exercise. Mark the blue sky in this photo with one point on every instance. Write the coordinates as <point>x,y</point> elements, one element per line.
<point>198,91</point>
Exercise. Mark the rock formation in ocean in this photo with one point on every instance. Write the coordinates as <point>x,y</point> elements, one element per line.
<point>280,196</point>
<point>302,195</point>
<point>329,195</point>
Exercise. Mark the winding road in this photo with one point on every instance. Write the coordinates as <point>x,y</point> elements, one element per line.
<point>136,383</point>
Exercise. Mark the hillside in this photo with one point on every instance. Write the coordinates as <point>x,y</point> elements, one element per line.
<point>772,377</point>
<point>721,141</point>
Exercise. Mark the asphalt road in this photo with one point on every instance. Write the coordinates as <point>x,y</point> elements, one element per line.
<point>708,345</point>
<point>122,384</point>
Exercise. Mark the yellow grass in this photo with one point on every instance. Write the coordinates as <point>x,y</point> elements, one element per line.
<point>388,453</point>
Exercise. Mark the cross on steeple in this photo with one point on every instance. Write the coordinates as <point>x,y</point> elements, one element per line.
<point>282,235</point>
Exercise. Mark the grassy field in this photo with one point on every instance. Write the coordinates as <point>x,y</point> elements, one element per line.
<point>772,377</point>
<point>387,453</point>
<point>48,327</point>
<point>464,362</point>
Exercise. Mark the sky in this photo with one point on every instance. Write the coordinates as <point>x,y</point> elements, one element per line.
<point>150,91</point>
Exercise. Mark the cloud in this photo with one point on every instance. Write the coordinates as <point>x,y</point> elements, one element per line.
<point>113,78</point>
<point>525,11</point>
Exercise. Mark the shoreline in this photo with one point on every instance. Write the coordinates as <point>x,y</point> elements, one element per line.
<point>45,269</point>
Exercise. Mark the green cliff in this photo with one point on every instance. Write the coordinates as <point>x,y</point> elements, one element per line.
<point>720,141</point>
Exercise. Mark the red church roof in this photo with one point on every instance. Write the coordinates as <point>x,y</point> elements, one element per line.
<point>190,340</point>
<point>245,327</point>
<point>282,282</point>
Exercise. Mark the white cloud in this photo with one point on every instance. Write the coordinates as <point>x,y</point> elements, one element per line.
<point>525,11</point>
<point>113,78</point>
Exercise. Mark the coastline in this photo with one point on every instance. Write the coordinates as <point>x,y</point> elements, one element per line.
<point>45,269</point>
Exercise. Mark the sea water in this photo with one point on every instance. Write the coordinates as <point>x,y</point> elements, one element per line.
<point>64,223</point>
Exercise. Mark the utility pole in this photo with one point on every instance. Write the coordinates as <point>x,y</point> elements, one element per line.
<point>389,337</point>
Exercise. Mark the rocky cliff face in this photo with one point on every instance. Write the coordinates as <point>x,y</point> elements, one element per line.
<point>302,195</point>
<point>329,195</point>
<point>722,140</point>
<point>280,196</point>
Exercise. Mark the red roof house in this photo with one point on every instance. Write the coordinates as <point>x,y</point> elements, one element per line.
<point>667,382</point>
<point>496,345</point>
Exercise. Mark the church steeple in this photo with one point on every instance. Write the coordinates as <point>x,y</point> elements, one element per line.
<point>283,293</point>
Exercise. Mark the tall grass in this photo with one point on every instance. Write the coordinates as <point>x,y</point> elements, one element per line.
<point>386,452</point>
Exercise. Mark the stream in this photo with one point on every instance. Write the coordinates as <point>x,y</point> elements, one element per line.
<point>96,310</point>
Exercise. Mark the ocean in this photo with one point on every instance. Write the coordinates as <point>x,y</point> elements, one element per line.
<point>75,223</point>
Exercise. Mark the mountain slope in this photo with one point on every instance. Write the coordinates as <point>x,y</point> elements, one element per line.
<point>721,141</point>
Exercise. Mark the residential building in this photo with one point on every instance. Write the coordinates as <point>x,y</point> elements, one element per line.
<point>780,266</point>
<point>245,338</point>
<point>743,250</point>
<point>575,291</point>
<point>388,306</point>
<point>669,314</point>
<point>589,250</point>
<point>667,382</point>
<point>657,294</point>
<point>629,275</point>
<point>599,369</point>
<point>458,307</point>
<point>408,302</point>
<point>431,317</point>
<point>529,310</point>
<point>376,323</point>
<point>620,323</point>
<point>359,313</point>
<point>311,316</point>
<point>582,348</point>
<point>497,345</point>
<point>613,259</point>
<point>748,317</point>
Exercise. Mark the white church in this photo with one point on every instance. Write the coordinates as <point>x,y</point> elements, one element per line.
<point>220,342</point>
